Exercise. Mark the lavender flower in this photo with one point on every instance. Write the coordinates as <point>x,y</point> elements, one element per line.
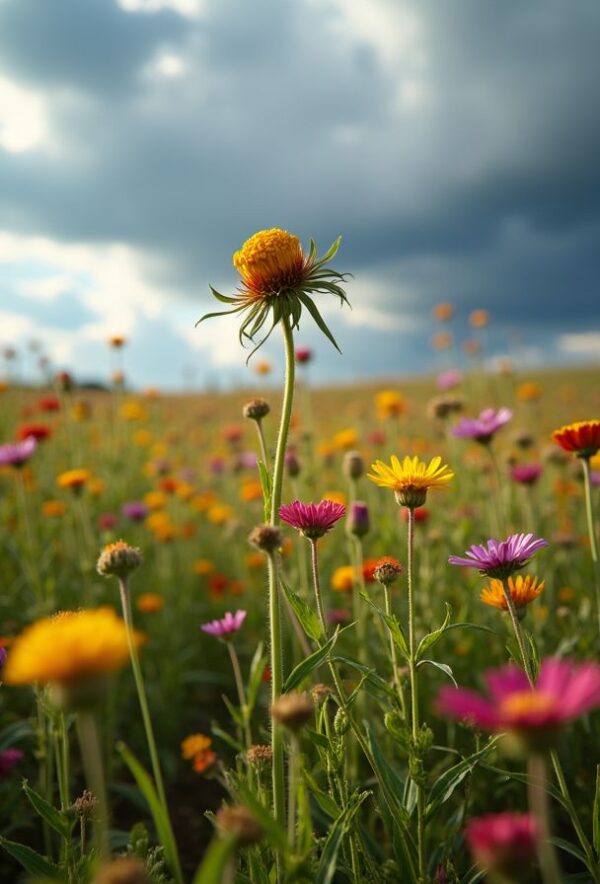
<point>500,559</point>
<point>135,510</point>
<point>446,380</point>
<point>526,474</point>
<point>482,428</point>
<point>17,453</point>
<point>227,626</point>
<point>313,520</point>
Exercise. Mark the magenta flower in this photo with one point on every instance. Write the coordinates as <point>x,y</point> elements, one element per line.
<point>447,380</point>
<point>498,558</point>
<point>135,510</point>
<point>313,520</point>
<point>482,428</point>
<point>15,454</point>
<point>8,759</point>
<point>564,690</point>
<point>502,842</point>
<point>227,626</point>
<point>526,474</point>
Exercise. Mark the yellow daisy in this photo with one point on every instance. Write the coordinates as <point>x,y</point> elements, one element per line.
<point>411,478</point>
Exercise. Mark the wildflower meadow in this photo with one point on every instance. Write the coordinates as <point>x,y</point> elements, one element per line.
<point>301,635</point>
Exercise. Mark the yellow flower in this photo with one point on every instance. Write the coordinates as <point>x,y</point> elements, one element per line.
<point>155,500</point>
<point>74,479</point>
<point>194,744</point>
<point>142,438</point>
<point>411,478</point>
<point>220,513</point>
<point>479,318</point>
<point>69,646</point>
<point>157,520</point>
<point>150,602</point>
<point>203,567</point>
<point>203,501</point>
<point>345,439</point>
<point>523,590</point>
<point>133,411</point>
<point>263,367</point>
<point>389,403</point>
<point>528,391</point>
<point>52,508</point>
<point>335,497</point>
<point>96,487</point>
<point>342,579</point>
<point>270,261</point>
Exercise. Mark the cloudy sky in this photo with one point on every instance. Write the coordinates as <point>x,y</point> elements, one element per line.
<point>455,146</point>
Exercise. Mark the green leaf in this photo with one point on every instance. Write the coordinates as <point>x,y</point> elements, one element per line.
<point>569,848</point>
<point>596,813</point>
<point>218,313</point>
<point>274,832</point>
<point>446,784</point>
<point>216,861</point>
<point>327,804</point>
<point>43,808</point>
<point>308,619</point>
<point>428,641</point>
<point>312,309</point>
<point>257,668</point>
<point>14,733</point>
<point>265,484</point>
<point>374,683</point>
<point>331,252</point>
<point>159,815</point>
<point>443,667</point>
<point>306,666</point>
<point>31,861</point>
<point>328,863</point>
<point>392,623</point>
<point>224,299</point>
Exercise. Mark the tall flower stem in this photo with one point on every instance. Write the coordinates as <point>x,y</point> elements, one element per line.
<point>514,619</point>
<point>91,753</point>
<point>239,683</point>
<point>274,601</point>
<point>538,805</point>
<point>393,653</point>
<point>143,701</point>
<point>414,695</point>
<point>262,443</point>
<point>589,512</point>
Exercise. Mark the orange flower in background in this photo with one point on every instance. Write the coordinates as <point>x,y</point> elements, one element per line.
<point>203,567</point>
<point>133,410</point>
<point>150,602</point>
<point>96,486</point>
<point>218,585</point>
<point>479,318</point>
<point>566,594</point>
<point>74,480</point>
<point>188,530</point>
<point>142,438</point>
<point>53,508</point>
<point>204,760</point>
<point>523,590</point>
<point>251,490</point>
<point>117,341</point>
<point>389,403</point>
<point>220,513</point>
<point>155,500</point>
<point>442,341</point>
<point>342,579</point>
<point>203,501</point>
<point>168,484</point>
<point>255,561</point>
<point>345,439</point>
<point>81,411</point>
<point>151,393</point>
<point>582,438</point>
<point>472,347</point>
<point>368,569</point>
<point>528,391</point>
<point>443,312</point>
<point>335,497</point>
<point>40,432</point>
<point>194,744</point>
<point>185,491</point>
<point>263,367</point>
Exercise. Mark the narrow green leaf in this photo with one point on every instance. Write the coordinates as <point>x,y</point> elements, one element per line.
<point>392,623</point>
<point>224,299</point>
<point>217,313</point>
<point>569,848</point>
<point>215,862</point>
<point>428,641</point>
<point>312,309</point>
<point>446,784</point>
<point>328,863</point>
<point>265,484</point>
<point>308,619</point>
<point>257,668</point>
<point>160,817</point>
<point>306,666</point>
<point>443,667</point>
<point>43,808</point>
<point>31,861</point>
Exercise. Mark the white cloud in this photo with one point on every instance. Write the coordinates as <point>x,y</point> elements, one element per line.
<point>186,8</point>
<point>167,65</point>
<point>580,344</point>
<point>23,118</point>
<point>48,288</point>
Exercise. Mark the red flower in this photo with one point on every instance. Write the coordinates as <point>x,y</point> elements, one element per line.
<point>421,514</point>
<point>49,403</point>
<point>38,431</point>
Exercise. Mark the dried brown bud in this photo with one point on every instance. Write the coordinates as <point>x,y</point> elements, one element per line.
<point>320,693</point>
<point>266,537</point>
<point>292,710</point>
<point>125,870</point>
<point>259,756</point>
<point>256,409</point>
<point>240,822</point>
<point>85,805</point>
<point>387,570</point>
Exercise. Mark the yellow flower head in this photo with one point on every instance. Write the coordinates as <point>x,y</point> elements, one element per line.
<point>203,567</point>
<point>523,590</point>
<point>52,508</point>
<point>411,478</point>
<point>270,261</point>
<point>74,479</point>
<point>389,403</point>
<point>342,579</point>
<point>345,439</point>
<point>194,744</point>
<point>68,647</point>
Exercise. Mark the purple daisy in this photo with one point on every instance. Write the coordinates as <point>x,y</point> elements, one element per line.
<point>482,428</point>
<point>501,558</point>
<point>313,520</point>
<point>227,626</point>
<point>15,454</point>
<point>526,474</point>
<point>447,380</point>
<point>135,510</point>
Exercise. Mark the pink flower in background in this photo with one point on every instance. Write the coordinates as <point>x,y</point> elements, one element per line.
<point>526,474</point>
<point>447,380</point>
<point>17,453</point>
<point>482,428</point>
<point>564,690</point>
<point>225,627</point>
<point>502,842</point>
<point>313,520</point>
<point>501,558</point>
<point>9,758</point>
<point>303,355</point>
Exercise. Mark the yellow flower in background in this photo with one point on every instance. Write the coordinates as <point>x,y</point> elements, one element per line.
<point>150,602</point>
<point>96,486</point>
<point>142,438</point>
<point>335,497</point>
<point>345,439</point>
<point>74,480</point>
<point>68,647</point>
<point>342,579</point>
<point>389,403</point>
<point>263,368</point>
<point>53,508</point>
<point>194,744</point>
<point>81,410</point>
<point>165,532</point>
<point>411,478</point>
<point>184,490</point>
<point>155,500</point>
<point>132,410</point>
<point>523,590</point>
<point>203,567</point>
<point>157,520</point>
<point>117,341</point>
<point>528,391</point>
<point>203,501</point>
<point>220,513</point>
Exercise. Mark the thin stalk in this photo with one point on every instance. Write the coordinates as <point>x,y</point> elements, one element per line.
<point>239,683</point>
<point>292,787</point>
<point>512,612</point>
<point>91,754</point>
<point>274,605</point>
<point>591,524</point>
<point>538,805</point>
<point>394,654</point>
<point>261,441</point>
<point>143,701</point>
<point>414,695</point>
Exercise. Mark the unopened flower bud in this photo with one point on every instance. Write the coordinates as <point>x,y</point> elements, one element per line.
<point>256,409</point>
<point>292,710</point>
<point>523,439</point>
<point>259,756</point>
<point>118,560</point>
<point>292,464</point>
<point>353,465</point>
<point>387,570</point>
<point>320,693</point>
<point>341,723</point>
<point>358,519</point>
<point>240,822</point>
<point>85,805</point>
<point>267,538</point>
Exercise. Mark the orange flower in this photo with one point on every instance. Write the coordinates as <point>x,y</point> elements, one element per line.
<point>203,567</point>
<point>74,480</point>
<point>528,391</point>
<point>116,341</point>
<point>53,508</point>
<point>523,590</point>
<point>443,312</point>
<point>472,347</point>
<point>342,579</point>
<point>389,403</point>
<point>345,439</point>
<point>251,490</point>
<point>194,744</point>
<point>442,341</point>
<point>263,367</point>
<point>204,760</point>
<point>150,602</point>
<point>155,500</point>
<point>566,594</point>
<point>479,318</point>
<point>255,560</point>
<point>583,438</point>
